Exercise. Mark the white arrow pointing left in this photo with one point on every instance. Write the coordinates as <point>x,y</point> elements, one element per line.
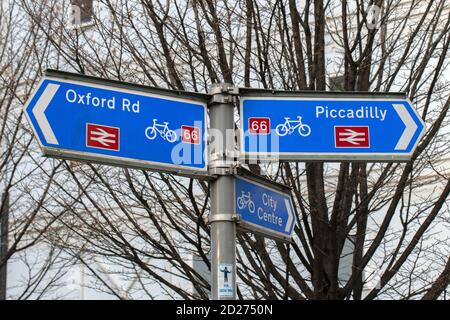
<point>290,215</point>
<point>39,112</point>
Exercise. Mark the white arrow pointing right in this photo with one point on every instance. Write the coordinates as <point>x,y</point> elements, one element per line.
<point>39,109</point>
<point>290,215</point>
<point>410,127</point>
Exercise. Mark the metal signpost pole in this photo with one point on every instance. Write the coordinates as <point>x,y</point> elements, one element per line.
<point>222,217</point>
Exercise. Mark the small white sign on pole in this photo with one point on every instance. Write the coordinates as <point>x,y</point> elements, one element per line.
<point>226,274</point>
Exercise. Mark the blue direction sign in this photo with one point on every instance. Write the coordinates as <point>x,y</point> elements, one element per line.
<point>325,128</point>
<point>86,118</point>
<point>264,209</point>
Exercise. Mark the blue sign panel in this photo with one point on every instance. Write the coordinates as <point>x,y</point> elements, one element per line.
<point>97,121</point>
<point>295,128</point>
<point>267,210</point>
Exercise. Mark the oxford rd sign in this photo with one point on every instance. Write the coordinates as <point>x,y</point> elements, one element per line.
<point>91,119</point>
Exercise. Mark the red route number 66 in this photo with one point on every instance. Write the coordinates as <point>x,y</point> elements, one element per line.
<point>259,125</point>
<point>190,134</point>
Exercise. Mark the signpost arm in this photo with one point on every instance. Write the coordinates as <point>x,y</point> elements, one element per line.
<point>222,216</point>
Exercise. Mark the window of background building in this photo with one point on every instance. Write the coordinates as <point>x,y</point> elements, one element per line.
<point>81,13</point>
<point>336,83</point>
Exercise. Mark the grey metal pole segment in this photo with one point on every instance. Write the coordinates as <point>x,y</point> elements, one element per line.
<point>223,225</point>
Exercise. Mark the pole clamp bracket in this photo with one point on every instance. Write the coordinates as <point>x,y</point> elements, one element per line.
<point>222,217</point>
<point>222,168</point>
<point>223,93</point>
<point>220,88</point>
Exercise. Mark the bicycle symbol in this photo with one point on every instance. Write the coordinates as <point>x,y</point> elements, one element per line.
<point>245,201</point>
<point>162,129</point>
<point>289,126</point>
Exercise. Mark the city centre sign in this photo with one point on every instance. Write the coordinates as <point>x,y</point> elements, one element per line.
<point>264,207</point>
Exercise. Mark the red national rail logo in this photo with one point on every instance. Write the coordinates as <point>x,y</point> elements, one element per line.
<point>351,137</point>
<point>103,137</point>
